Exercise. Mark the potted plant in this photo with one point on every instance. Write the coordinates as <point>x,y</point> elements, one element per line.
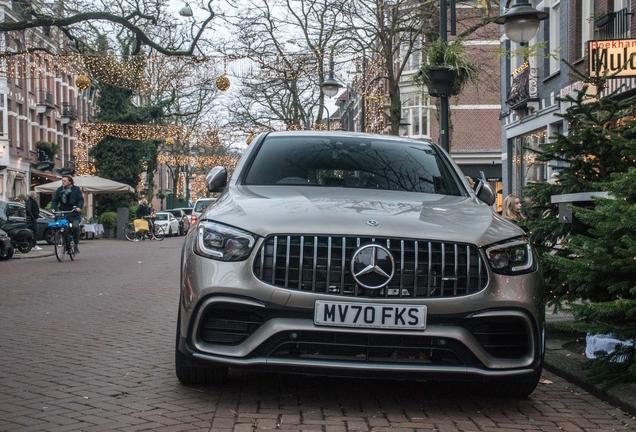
<point>48,149</point>
<point>447,69</point>
<point>109,222</point>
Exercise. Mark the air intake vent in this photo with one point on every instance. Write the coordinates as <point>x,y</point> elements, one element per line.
<point>228,326</point>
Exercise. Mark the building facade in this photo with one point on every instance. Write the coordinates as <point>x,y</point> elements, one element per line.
<point>531,87</point>
<point>40,108</point>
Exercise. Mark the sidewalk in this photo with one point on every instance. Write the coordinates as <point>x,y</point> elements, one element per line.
<point>47,250</point>
<point>565,356</point>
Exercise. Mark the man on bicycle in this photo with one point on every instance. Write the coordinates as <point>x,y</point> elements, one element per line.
<point>142,211</point>
<point>70,197</point>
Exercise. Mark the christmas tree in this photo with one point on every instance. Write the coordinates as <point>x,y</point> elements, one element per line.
<point>590,264</point>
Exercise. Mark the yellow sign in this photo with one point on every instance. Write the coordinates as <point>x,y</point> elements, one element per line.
<point>612,57</point>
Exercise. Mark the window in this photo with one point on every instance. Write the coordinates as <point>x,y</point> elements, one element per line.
<point>416,112</point>
<point>414,61</point>
<point>525,167</point>
<point>555,37</point>
<point>587,26</point>
<point>2,127</point>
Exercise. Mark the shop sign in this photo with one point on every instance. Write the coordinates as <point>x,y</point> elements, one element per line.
<point>612,57</point>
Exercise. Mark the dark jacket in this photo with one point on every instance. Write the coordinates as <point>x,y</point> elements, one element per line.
<point>142,211</point>
<point>74,198</point>
<point>32,210</point>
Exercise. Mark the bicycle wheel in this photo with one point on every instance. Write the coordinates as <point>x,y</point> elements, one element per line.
<point>158,233</point>
<point>71,247</point>
<point>129,231</point>
<point>60,246</point>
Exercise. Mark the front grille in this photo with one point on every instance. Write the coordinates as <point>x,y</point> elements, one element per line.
<point>323,264</point>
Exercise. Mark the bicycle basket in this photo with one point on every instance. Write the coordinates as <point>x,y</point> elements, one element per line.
<point>59,223</point>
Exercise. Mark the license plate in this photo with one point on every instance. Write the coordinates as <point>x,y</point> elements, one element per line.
<point>344,314</point>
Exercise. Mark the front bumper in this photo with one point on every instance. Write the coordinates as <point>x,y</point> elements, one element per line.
<point>249,334</point>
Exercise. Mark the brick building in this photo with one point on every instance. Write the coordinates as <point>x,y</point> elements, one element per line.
<point>40,107</point>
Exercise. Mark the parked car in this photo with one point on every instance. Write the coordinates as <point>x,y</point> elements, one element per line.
<point>359,255</point>
<point>199,207</point>
<point>183,218</point>
<point>188,211</point>
<point>169,223</point>
<point>16,212</point>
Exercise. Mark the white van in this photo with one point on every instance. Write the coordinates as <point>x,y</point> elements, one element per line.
<point>200,206</point>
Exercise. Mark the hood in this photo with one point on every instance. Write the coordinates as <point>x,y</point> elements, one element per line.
<point>265,210</point>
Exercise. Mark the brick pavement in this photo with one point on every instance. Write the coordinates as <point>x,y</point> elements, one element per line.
<point>89,345</point>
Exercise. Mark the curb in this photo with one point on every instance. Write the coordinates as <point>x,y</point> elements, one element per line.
<point>569,366</point>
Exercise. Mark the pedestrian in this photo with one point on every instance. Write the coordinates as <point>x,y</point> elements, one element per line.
<point>32,214</point>
<point>70,198</point>
<point>512,209</point>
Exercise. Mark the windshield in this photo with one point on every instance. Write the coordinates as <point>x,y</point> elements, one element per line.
<point>351,162</point>
<point>162,216</point>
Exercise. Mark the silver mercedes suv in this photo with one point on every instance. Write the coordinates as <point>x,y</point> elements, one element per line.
<point>358,255</point>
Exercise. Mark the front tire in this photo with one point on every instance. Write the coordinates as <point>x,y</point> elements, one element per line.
<point>60,247</point>
<point>49,236</point>
<point>129,232</point>
<point>191,371</point>
<point>25,247</point>
<point>7,254</point>
<point>158,233</point>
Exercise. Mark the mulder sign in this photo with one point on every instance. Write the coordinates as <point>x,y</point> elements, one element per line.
<point>612,57</point>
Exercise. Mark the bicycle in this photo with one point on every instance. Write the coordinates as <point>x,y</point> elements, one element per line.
<point>63,237</point>
<point>156,232</point>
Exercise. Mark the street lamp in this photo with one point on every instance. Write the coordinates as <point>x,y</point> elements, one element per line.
<point>186,11</point>
<point>307,123</point>
<point>331,87</point>
<point>521,21</point>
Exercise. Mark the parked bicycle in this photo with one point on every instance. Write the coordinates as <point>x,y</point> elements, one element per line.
<point>63,237</point>
<point>155,232</point>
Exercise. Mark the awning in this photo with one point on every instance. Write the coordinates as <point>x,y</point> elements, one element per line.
<point>45,174</point>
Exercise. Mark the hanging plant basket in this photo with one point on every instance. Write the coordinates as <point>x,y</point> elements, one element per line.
<point>441,81</point>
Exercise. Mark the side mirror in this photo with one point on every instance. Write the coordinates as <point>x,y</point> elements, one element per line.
<point>483,192</point>
<point>216,179</point>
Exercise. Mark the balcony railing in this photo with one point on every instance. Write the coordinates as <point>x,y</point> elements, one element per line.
<point>613,25</point>
<point>45,97</point>
<point>69,111</point>
<point>524,88</point>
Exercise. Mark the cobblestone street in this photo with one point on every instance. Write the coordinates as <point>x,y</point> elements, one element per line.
<point>88,345</point>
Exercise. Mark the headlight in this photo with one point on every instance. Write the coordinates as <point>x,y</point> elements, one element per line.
<point>223,243</point>
<point>511,257</point>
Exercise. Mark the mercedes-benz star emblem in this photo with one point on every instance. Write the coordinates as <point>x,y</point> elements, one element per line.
<point>372,266</point>
<point>373,222</point>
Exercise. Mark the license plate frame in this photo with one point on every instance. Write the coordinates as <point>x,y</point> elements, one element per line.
<point>370,315</point>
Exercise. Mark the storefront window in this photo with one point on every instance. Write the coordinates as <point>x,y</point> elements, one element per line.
<point>525,167</point>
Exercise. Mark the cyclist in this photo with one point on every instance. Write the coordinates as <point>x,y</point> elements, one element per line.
<point>142,211</point>
<point>70,197</point>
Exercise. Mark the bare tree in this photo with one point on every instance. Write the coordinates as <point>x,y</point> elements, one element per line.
<point>141,21</point>
<point>288,43</point>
